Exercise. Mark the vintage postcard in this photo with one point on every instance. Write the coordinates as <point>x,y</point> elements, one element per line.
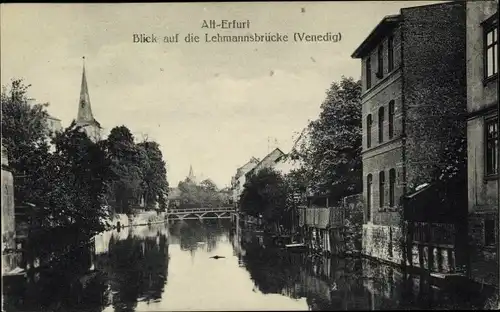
<point>250,156</point>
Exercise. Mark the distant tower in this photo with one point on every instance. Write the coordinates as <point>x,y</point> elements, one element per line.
<point>191,175</point>
<point>85,118</point>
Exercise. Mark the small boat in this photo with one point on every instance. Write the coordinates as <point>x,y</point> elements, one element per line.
<point>16,274</point>
<point>295,246</point>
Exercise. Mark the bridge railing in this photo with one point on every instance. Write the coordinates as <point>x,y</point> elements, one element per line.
<point>198,210</point>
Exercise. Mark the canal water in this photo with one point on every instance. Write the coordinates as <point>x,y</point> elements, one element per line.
<point>169,267</point>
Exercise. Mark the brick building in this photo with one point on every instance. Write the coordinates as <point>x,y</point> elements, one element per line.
<point>413,78</point>
<point>482,137</point>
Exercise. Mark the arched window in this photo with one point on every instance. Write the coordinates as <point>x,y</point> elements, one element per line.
<point>369,123</point>
<point>392,187</point>
<point>381,181</point>
<point>391,119</point>
<point>381,116</point>
<point>369,181</point>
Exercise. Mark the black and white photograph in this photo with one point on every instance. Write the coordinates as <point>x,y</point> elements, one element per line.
<point>250,156</point>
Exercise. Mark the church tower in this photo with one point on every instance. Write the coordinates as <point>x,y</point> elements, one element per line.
<point>191,177</point>
<point>85,118</point>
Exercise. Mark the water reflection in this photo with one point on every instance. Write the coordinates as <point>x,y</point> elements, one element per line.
<point>331,283</point>
<point>169,268</point>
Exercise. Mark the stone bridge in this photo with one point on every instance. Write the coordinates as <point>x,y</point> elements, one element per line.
<point>201,213</point>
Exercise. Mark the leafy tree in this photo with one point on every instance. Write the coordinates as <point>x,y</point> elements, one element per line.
<point>154,174</point>
<point>65,187</point>
<point>210,193</point>
<point>331,145</point>
<point>208,184</point>
<point>80,174</point>
<point>190,194</point>
<point>202,195</point>
<point>25,136</point>
<point>265,194</point>
<point>127,163</point>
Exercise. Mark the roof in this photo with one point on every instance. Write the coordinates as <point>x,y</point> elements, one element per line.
<point>387,24</point>
<point>239,171</point>
<point>266,158</point>
<point>285,165</point>
<point>53,118</point>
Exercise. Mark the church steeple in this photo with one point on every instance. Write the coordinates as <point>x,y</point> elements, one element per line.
<point>191,175</point>
<point>84,109</point>
<point>85,118</point>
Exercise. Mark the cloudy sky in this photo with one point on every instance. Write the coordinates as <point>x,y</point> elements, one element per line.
<point>209,105</point>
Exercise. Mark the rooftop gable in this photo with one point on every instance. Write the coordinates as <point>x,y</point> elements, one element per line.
<point>386,25</point>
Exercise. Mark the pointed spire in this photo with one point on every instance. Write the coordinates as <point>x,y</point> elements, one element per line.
<point>191,174</point>
<point>84,109</point>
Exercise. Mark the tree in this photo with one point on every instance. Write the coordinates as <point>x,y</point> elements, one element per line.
<point>80,175</point>
<point>190,194</point>
<point>208,184</point>
<point>64,187</point>
<point>210,193</point>
<point>127,163</point>
<point>265,194</point>
<point>154,174</point>
<point>25,136</point>
<point>202,195</point>
<point>331,145</point>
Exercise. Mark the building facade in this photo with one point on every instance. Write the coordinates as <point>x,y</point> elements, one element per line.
<point>54,124</point>
<point>482,138</point>
<point>412,76</point>
<point>239,179</point>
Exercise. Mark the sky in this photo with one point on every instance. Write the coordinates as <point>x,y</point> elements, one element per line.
<point>209,105</point>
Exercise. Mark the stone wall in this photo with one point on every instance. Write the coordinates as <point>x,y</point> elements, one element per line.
<point>144,218</point>
<point>377,243</point>
<point>382,242</point>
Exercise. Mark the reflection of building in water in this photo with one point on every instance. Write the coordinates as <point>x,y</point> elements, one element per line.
<point>101,242</point>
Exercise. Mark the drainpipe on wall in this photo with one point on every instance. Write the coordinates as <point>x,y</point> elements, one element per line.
<point>403,229</point>
<point>498,202</point>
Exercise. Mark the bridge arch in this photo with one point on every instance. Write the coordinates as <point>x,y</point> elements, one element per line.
<point>173,217</point>
<point>210,214</point>
<point>201,213</point>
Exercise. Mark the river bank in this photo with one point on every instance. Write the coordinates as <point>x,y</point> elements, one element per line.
<point>171,268</point>
<point>16,262</point>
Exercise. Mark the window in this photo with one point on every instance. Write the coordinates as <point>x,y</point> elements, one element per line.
<point>491,47</point>
<point>380,61</point>
<point>391,119</point>
<point>381,184</point>
<point>492,146</point>
<point>369,123</point>
<point>489,232</point>
<point>390,53</point>
<point>381,116</point>
<point>392,186</point>
<point>368,73</point>
<point>368,197</point>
